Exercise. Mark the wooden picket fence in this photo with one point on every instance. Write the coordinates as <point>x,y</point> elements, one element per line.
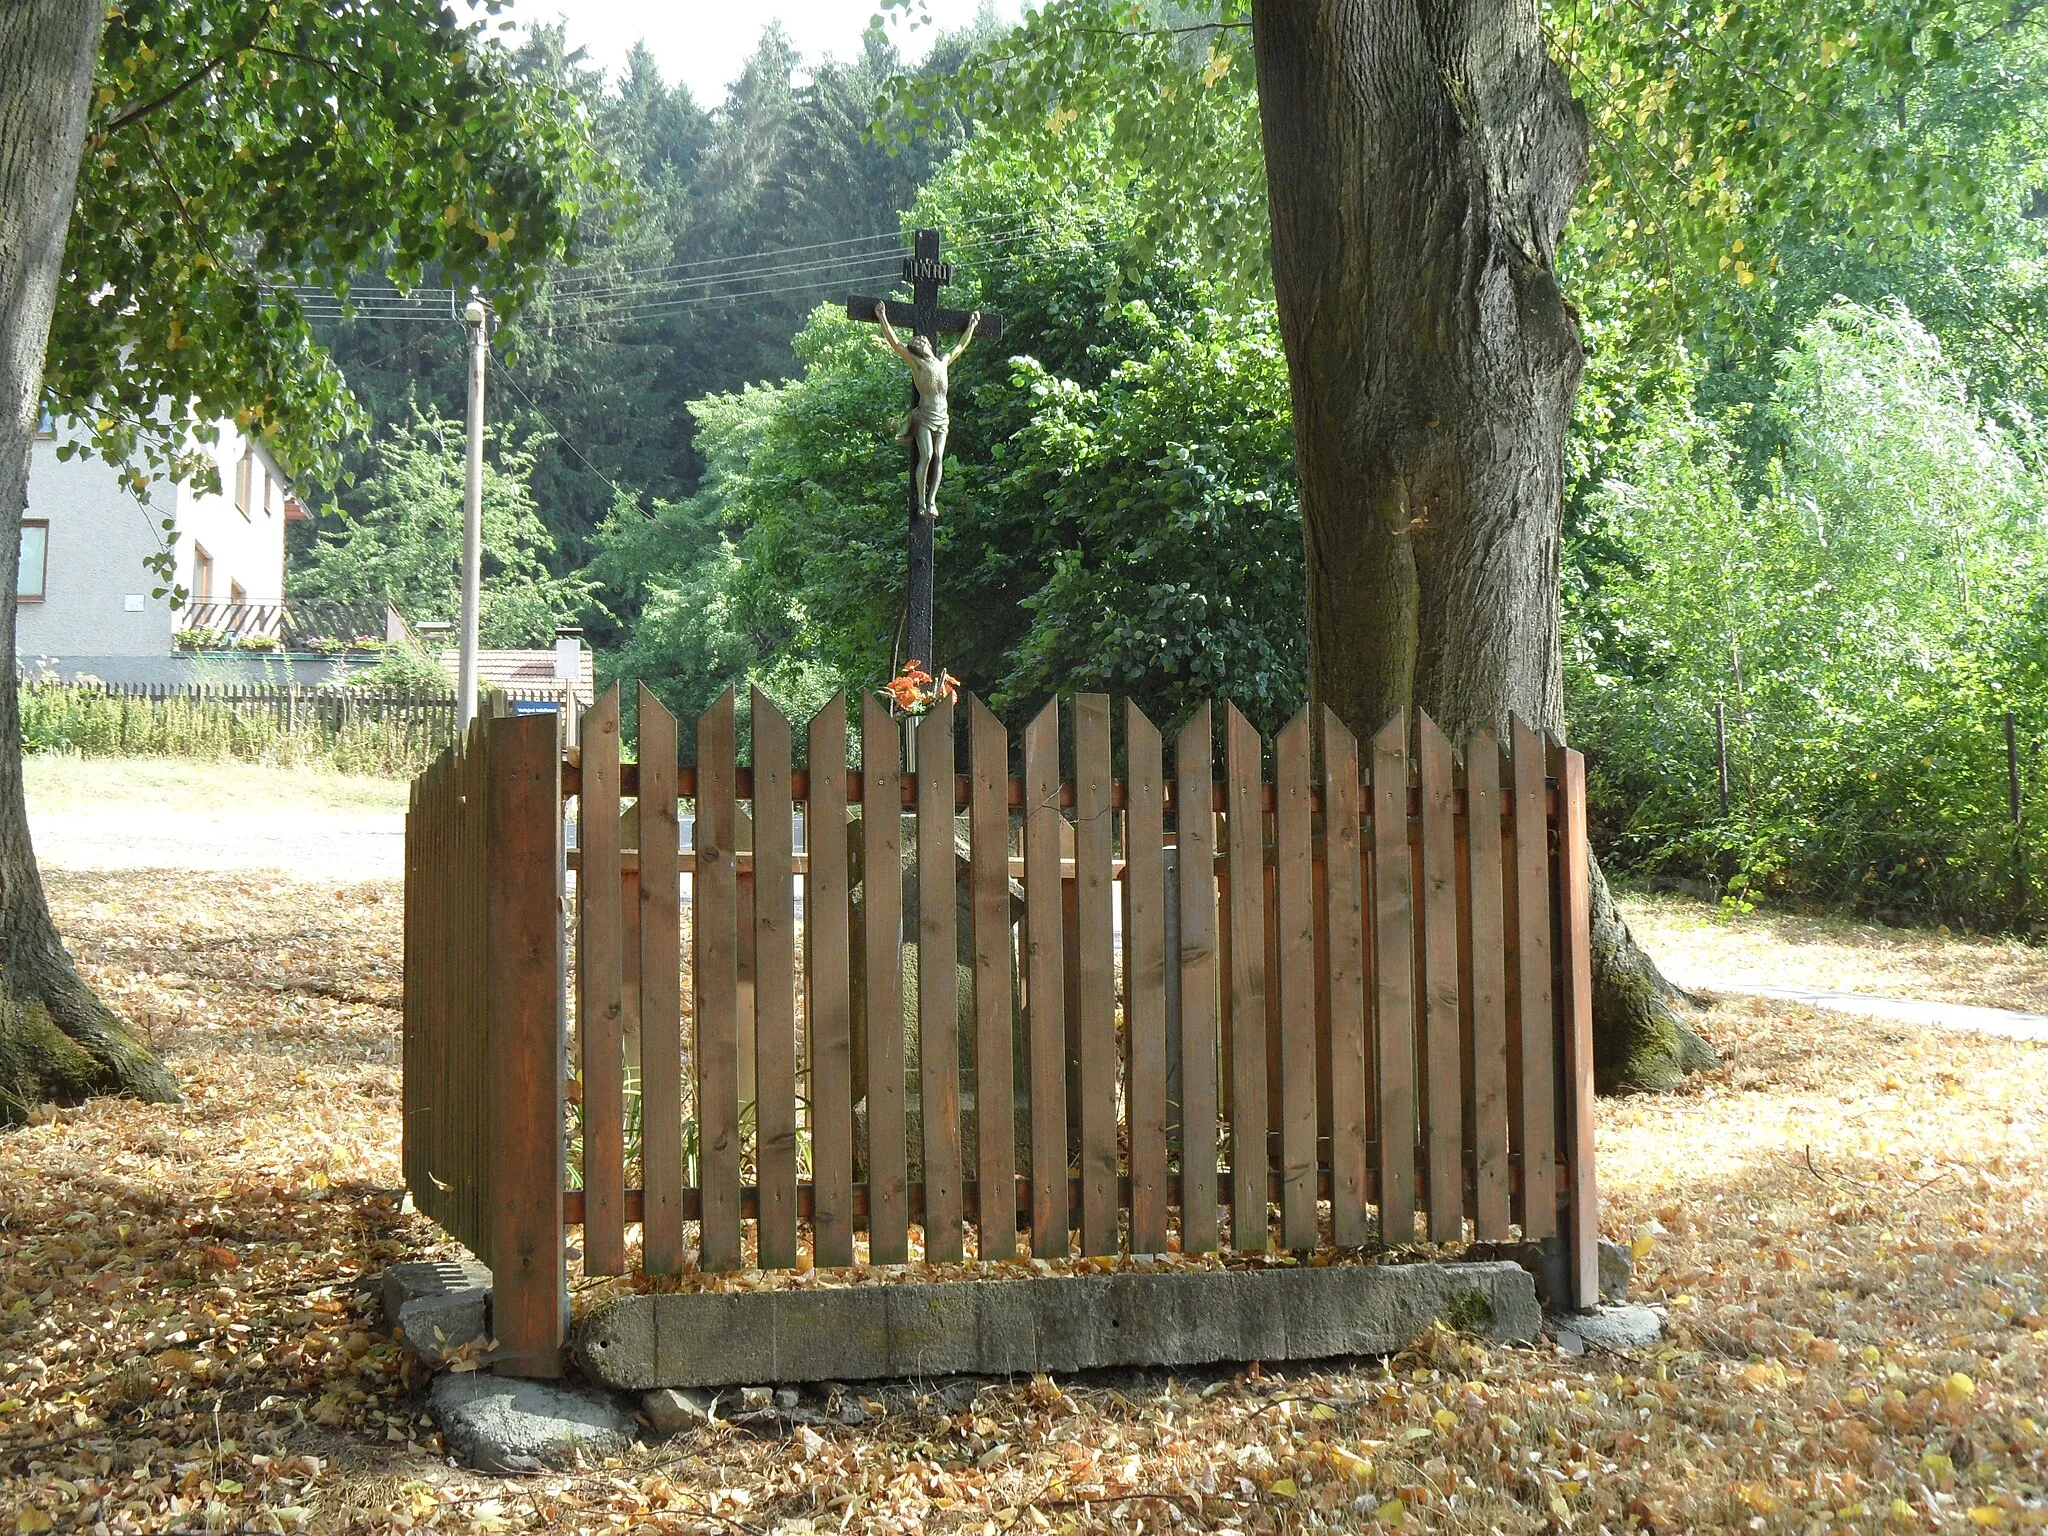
<point>1371,966</point>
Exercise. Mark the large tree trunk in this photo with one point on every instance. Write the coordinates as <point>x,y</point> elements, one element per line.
<point>1421,159</point>
<point>56,1040</point>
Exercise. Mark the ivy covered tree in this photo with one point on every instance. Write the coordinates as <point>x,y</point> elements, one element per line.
<point>168,168</point>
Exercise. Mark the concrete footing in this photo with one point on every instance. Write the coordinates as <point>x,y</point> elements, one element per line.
<point>440,1310</point>
<point>1057,1323</point>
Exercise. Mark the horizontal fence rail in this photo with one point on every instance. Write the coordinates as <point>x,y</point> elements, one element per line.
<point>940,994</point>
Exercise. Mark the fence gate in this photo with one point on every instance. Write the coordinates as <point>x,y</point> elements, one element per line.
<point>484,1059</point>
<point>1312,992</point>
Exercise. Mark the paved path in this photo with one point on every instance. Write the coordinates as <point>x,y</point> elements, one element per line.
<point>310,844</point>
<point>2009,1022</point>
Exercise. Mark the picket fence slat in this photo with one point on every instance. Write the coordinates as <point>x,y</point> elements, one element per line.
<point>1443,1091</point>
<point>1487,993</point>
<point>774,987</point>
<point>1394,965</point>
<point>1145,1052</point>
<point>599,1004</point>
<point>1294,920</point>
<point>938,1012</point>
<point>1344,959</point>
<point>1093,847</point>
<point>661,1003</point>
<point>714,909</point>
<point>1195,862</point>
<point>1045,984</point>
<point>1532,984</point>
<point>995,1109</point>
<point>826,995</point>
<point>882,915</point>
<point>1245,1028</point>
<point>1573,868</point>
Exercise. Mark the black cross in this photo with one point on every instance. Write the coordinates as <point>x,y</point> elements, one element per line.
<point>922,316</point>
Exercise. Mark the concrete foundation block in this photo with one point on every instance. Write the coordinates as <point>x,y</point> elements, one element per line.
<point>505,1425</point>
<point>616,1344</point>
<point>438,1309</point>
<point>1007,1329</point>
<point>1059,1323</point>
<point>437,1328</point>
<point>1616,1328</point>
<point>402,1283</point>
<point>934,1330</point>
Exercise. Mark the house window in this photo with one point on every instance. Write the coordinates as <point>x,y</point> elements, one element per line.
<point>236,595</point>
<point>46,423</point>
<point>202,574</point>
<point>35,560</point>
<point>244,473</point>
<point>266,490</point>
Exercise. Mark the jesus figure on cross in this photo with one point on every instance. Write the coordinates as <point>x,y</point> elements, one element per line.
<point>928,419</point>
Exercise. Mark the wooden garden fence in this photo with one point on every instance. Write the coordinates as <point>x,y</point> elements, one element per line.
<point>1369,965</point>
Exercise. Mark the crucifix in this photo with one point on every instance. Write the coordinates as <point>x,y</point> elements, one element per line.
<point>925,322</point>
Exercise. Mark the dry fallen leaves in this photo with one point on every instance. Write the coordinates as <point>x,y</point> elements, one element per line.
<point>1843,1224</point>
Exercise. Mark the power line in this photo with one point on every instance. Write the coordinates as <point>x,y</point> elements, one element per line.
<point>621,305</point>
<point>793,250</point>
<point>363,296</point>
<point>673,306</point>
<point>638,305</point>
<point>566,441</point>
<point>880,260</point>
<point>853,265</point>
<point>760,274</point>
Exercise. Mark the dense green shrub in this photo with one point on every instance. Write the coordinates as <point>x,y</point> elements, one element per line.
<point>1118,514</point>
<point>1865,610</point>
<point>404,546</point>
<point>328,730</point>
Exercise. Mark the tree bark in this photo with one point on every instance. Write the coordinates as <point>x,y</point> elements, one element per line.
<point>1421,161</point>
<point>56,1039</point>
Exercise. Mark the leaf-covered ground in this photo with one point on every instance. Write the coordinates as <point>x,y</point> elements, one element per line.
<point>1696,939</point>
<point>1845,1226</point>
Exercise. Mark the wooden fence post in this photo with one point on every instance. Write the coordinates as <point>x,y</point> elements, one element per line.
<point>1582,1199</point>
<point>526,1001</point>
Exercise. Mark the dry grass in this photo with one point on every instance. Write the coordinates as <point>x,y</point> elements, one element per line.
<point>1694,938</point>
<point>60,784</point>
<point>1844,1224</point>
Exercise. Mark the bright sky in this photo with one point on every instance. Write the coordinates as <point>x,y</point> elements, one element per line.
<point>705,42</point>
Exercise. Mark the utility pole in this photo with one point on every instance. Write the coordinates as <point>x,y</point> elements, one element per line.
<point>478,314</point>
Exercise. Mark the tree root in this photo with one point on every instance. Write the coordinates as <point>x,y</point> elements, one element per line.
<point>60,1044</point>
<point>1642,1040</point>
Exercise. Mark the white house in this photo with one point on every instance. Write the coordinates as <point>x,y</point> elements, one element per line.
<point>84,591</point>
